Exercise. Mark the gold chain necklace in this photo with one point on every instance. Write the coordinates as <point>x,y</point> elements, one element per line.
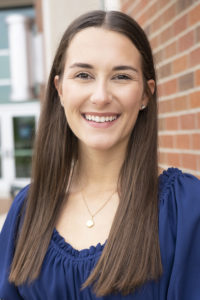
<point>90,223</point>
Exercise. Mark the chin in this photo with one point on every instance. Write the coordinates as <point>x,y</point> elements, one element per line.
<point>101,146</point>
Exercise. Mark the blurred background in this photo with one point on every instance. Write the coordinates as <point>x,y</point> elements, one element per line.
<point>29,35</point>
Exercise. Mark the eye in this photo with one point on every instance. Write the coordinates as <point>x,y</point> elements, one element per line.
<point>122,77</point>
<point>83,75</point>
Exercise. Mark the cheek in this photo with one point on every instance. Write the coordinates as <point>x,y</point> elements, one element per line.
<point>131,98</point>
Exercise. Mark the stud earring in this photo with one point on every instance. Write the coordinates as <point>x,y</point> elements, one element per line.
<point>143,107</point>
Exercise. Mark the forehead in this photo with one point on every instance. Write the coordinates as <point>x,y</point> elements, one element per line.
<point>95,43</point>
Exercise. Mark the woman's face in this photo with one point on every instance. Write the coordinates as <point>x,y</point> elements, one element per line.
<point>101,89</point>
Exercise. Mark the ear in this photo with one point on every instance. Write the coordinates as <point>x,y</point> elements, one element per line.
<point>58,86</point>
<point>145,99</point>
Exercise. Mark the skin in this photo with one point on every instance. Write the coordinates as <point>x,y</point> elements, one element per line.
<point>95,83</point>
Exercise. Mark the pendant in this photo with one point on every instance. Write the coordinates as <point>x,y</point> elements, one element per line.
<point>90,223</point>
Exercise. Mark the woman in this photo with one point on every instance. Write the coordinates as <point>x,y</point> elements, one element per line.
<point>96,223</point>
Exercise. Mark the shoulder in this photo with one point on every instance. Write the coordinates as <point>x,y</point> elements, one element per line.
<point>183,185</point>
<point>179,200</point>
<point>15,209</point>
<point>7,241</point>
<point>179,233</point>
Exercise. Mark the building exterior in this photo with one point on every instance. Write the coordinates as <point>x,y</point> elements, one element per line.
<point>19,103</point>
<point>173,27</point>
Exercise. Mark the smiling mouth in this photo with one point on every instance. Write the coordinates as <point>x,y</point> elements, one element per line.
<point>100,119</point>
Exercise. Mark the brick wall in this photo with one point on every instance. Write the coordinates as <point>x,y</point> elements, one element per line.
<point>173,28</point>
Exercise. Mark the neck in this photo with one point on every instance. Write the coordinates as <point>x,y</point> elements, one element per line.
<point>97,169</point>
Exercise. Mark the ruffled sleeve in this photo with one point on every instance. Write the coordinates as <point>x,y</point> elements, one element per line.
<point>179,232</point>
<point>7,240</point>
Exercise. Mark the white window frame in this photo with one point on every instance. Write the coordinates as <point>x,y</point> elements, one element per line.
<point>7,113</point>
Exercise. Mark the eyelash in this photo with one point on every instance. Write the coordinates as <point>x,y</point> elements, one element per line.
<point>83,75</point>
<point>122,77</point>
<point>86,76</point>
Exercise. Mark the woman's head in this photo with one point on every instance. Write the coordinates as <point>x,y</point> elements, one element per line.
<point>115,24</point>
<point>114,21</point>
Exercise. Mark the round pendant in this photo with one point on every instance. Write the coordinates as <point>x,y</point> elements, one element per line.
<point>90,223</point>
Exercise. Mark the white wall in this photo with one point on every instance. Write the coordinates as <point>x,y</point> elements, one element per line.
<point>57,15</point>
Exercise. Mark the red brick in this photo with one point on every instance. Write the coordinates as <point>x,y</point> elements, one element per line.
<point>182,141</point>
<point>169,14</point>
<point>196,141</point>
<point>180,64</point>
<point>160,90</point>
<point>126,5</point>
<point>166,141</point>
<point>153,9</point>
<point>154,42</point>
<point>173,159</point>
<point>162,157</point>
<point>157,24</point>
<point>166,35</point>
<point>170,87</point>
<point>170,50</point>
<point>187,121</point>
<point>183,5</point>
<point>189,161</point>
<point>171,123</point>
<point>197,77</point>
<point>197,34</point>
<point>165,106</point>
<point>142,19</point>
<point>163,3</point>
<point>194,15</point>
<point>161,124</point>
<point>194,58</point>
<point>139,7</point>
<point>194,99</point>
<point>180,103</point>
<point>186,41</point>
<point>186,82</point>
<point>180,25</point>
<point>165,70</point>
<point>198,120</point>
<point>158,56</point>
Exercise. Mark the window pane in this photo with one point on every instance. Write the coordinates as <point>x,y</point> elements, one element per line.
<point>24,131</point>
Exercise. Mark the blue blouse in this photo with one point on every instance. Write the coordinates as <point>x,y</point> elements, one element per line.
<point>64,269</point>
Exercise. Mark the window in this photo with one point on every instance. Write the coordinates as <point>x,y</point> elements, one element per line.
<point>24,131</point>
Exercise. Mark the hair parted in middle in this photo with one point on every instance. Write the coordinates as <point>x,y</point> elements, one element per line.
<point>131,255</point>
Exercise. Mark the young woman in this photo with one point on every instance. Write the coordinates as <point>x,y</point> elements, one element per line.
<point>97,222</point>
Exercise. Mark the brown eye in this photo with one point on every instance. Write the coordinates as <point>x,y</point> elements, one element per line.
<point>83,75</point>
<point>122,77</point>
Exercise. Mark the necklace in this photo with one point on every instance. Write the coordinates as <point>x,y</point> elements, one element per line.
<point>90,223</point>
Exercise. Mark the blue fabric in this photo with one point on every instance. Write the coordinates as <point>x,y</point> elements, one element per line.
<point>65,269</point>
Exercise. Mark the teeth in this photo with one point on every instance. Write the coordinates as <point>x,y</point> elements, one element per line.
<point>98,119</point>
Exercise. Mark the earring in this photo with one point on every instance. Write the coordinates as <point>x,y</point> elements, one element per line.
<point>142,107</point>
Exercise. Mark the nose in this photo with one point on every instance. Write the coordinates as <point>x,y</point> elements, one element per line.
<point>101,94</point>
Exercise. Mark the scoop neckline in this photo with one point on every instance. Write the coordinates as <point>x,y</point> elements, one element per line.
<point>67,249</point>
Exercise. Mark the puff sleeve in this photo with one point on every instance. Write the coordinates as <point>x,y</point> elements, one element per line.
<point>9,291</point>
<point>179,233</point>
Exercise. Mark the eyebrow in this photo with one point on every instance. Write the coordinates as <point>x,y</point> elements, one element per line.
<point>116,68</point>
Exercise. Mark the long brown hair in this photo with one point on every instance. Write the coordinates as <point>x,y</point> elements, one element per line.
<point>131,255</point>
